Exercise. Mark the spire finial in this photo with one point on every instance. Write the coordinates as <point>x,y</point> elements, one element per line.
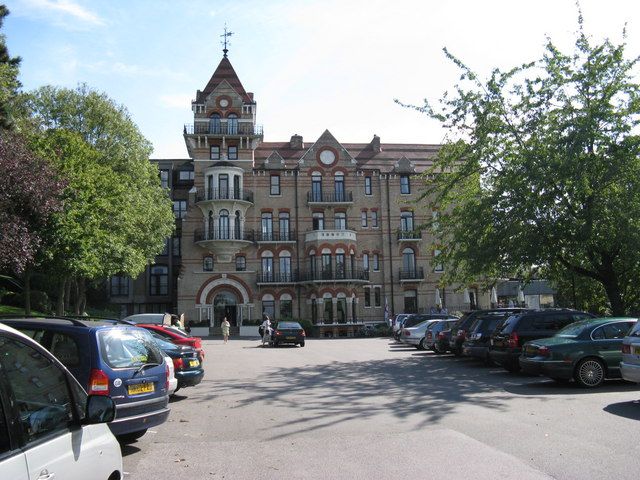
<point>225,42</point>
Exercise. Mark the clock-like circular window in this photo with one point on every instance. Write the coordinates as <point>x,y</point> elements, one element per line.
<point>327,157</point>
<point>224,102</point>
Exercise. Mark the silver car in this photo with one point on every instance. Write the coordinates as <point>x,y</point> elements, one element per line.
<point>630,364</point>
<point>416,335</point>
<point>431,335</point>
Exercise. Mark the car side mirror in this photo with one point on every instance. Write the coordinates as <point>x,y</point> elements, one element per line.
<point>100,409</point>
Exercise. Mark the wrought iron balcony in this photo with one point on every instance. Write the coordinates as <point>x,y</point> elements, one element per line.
<point>276,277</point>
<point>413,274</point>
<point>240,129</point>
<point>276,237</point>
<point>335,275</point>
<point>225,194</point>
<point>330,197</point>
<point>410,235</point>
<point>223,234</point>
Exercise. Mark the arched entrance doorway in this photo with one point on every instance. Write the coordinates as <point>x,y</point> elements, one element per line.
<point>225,305</point>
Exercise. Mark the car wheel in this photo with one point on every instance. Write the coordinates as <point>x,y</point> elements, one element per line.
<point>421,345</point>
<point>131,437</point>
<point>302,343</point>
<point>589,373</point>
<point>436,349</point>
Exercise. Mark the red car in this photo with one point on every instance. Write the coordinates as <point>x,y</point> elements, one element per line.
<point>177,336</point>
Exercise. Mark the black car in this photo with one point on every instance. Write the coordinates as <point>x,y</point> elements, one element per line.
<point>477,340</point>
<point>288,332</point>
<point>459,331</point>
<point>507,340</point>
<point>186,362</point>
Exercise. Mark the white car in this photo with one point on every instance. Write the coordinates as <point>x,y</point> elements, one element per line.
<point>49,427</point>
<point>630,364</point>
<point>150,318</point>
<point>173,381</point>
<point>416,335</point>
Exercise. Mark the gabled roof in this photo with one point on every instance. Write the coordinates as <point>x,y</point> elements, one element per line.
<point>326,139</point>
<point>226,72</point>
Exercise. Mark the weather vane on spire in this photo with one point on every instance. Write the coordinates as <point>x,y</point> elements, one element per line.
<point>226,42</point>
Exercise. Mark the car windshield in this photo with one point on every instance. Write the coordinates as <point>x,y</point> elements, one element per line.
<point>572,330</point>
<point>289,326</point>
<point>128,347</point>
<point>508,324</point>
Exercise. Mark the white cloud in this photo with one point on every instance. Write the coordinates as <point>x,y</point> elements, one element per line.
<point>63,11</point>
<point>177,100</point>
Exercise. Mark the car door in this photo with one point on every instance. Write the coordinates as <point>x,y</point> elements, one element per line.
<point>13,461</point>
<point>54,444</point>
<point>607,341</point>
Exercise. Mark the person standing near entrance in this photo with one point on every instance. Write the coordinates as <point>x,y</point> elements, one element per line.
<point>225,329</point>
<point>266,330</point>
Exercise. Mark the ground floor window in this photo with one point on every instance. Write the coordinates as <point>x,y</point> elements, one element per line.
<point>269,308</point>
<point>328,311</point>
<point>410,301</point>
<point>286,309</point>
<point>342,310</point>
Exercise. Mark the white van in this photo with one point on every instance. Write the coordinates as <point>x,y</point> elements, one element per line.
<point>49,427</point>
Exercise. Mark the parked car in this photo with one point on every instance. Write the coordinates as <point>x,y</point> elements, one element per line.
<point>417,335</point>
<point>172,382</point>
<point>397,324</point>
<point>288,332</point>
<point>176,335</point>
<point>507,340</point>
<point>587,351</point>
<point>442,343</point>
<point>630,364</point>
<point>184,360</point>
<point>49,427</point>
<point>415,318</point>
<point>113,359</point>
<point>476,344</point>
<point>434,329</point>
<point>459,331</point>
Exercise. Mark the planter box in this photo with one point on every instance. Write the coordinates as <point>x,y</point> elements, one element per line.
<point>249,331</point>
<point>199,331</point>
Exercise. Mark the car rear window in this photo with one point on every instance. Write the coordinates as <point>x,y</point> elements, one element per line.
<point>508,325</point>
<point>289,325</point>
<point>572,330</point>
<point>128,347</point>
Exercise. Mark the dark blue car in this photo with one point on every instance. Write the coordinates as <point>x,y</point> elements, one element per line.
<point>108,358</point>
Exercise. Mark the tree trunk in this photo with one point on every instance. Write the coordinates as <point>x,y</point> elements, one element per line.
<point>76,300</point>
<point>27,290</point>
<point>610,284</point>
<point>67,293</point>
<point>62,288</point>
<point>81,301</point>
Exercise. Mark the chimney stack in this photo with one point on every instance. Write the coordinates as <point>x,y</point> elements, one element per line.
<point>296,142</point>
<point>375,144</point>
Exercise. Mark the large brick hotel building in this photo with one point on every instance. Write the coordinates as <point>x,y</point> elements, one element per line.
<point>321,230</point>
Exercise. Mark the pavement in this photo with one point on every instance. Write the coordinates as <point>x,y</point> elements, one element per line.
<point>371,408</point>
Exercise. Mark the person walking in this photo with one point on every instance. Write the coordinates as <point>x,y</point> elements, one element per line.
<point>225,329</point>
<point>266,330</point>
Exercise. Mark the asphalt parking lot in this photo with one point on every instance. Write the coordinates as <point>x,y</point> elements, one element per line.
<point>372,408</point>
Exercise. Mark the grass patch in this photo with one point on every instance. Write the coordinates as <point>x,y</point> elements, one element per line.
<point>9,310</point>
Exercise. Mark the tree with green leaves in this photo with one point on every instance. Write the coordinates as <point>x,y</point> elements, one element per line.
<point>116,215</point>
<point>9,83</point>
<point>542,169</point>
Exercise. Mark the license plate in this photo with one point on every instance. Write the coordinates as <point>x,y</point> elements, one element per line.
<point>139,388</point>
<point>290,338</point>
<point>491,342</point>
<point>194,363</point>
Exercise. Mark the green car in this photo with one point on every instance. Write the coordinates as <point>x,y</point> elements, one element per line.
<point>587,351</point>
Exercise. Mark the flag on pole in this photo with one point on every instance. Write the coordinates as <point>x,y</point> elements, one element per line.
<point>386,310</point>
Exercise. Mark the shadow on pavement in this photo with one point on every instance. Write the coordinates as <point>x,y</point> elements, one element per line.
<point>629,410</point>
<point>128,449</point>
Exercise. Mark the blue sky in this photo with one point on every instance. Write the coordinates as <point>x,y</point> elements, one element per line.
<point>335,64</point>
